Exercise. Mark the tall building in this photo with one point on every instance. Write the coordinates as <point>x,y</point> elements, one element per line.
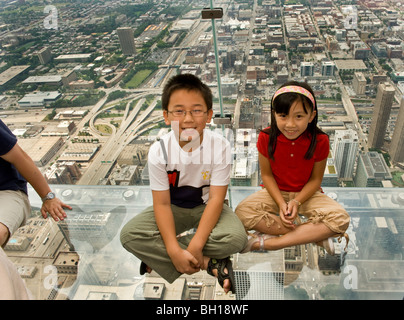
<point>397,146</point>
<point>95,228</point>
<point>307,69</point>
<point>359,83</point>
<point>44,55</point>
<point>385,235</point>
<point>259,276</point>
<point>244,170</point>
<point>381,114</point>
<point>327,68</point>
<point>345,149</point>
<point>127,40</point>
<point>330,178</point>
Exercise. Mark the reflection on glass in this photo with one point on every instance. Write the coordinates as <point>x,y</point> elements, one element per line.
<point>82,258</point>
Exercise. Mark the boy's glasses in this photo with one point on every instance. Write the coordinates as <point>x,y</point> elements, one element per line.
<point>183,113</point>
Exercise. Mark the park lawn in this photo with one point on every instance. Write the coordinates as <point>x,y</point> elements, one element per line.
<point>138,78</point>
<point>103,128</point>
<point>397,178</point>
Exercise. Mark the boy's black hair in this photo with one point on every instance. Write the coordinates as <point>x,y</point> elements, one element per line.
<point>187,82</point>
<point>282,104</point>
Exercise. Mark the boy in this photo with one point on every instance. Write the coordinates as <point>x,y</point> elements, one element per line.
<point>189,174</point>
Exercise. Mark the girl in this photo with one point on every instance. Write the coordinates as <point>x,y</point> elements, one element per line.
<point>293,154</point>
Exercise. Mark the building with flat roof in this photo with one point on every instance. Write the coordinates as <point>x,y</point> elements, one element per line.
<point>62,173</point>
<point>327,68</point>
<point>44,55</point>
<point>80,57</point>
<point>371,170</point>
<point>64,128</point>
<point>353,64</point>
<point>306,69</point>
<point>67,262</point>
<point>11,73</point>
<point>42,149</point>
<point>396,149</point>
<point>52,80</point>
<point>381,114</point>
<point>70,114</point>
<point>18,243</point>
<point>183,25</point>
<point>79,152</point>
<point>124,175</point>
<point>19,132</point>
<point>127,41</point>
<point>39,99</point>
<point>359,83</point>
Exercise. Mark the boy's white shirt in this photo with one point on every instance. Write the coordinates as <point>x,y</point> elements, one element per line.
<point>209,164</point>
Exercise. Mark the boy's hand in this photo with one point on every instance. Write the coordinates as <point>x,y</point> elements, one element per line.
<point>197,253</point>
<point>185,262</point>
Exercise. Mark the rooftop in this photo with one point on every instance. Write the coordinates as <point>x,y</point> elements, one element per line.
<point>371,268</point>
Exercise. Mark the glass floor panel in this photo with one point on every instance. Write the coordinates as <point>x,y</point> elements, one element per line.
<point>81,258</point>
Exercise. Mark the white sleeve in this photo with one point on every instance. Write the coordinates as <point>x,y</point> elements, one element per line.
<point>157,168</point>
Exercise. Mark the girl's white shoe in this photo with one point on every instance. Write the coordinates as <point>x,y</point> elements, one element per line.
<point>256,237</point>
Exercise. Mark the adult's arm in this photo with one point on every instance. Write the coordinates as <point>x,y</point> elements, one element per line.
<point>27,168</point>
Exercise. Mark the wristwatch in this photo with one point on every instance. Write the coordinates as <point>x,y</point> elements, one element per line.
<point>51,195</point>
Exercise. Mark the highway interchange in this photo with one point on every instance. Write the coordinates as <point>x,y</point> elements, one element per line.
<point>134,123</point>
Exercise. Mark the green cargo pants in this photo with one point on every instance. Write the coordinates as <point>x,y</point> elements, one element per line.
<point>141,237</point>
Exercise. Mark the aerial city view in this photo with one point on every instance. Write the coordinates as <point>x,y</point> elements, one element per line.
<point>80,87</point>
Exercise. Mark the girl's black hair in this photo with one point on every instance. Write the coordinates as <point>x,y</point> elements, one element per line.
<point>282,104</point>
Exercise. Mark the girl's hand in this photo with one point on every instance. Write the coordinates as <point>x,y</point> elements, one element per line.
<point>286,216</point>
<point>293,210</point>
